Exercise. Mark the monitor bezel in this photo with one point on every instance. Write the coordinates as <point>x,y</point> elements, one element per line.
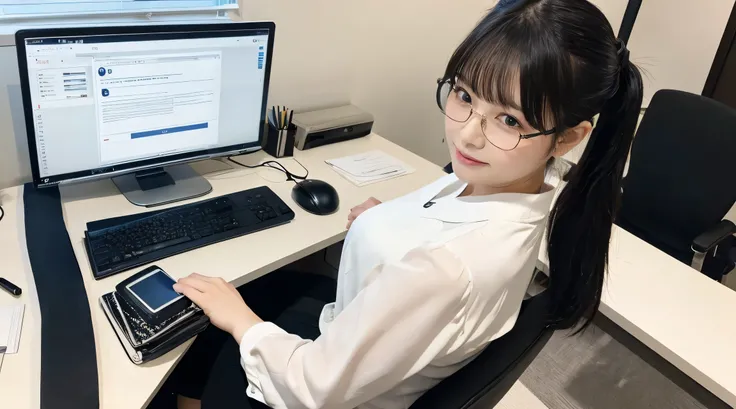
<point>200,31</point>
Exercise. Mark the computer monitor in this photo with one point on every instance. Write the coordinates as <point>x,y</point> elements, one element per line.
<point>124,102</point>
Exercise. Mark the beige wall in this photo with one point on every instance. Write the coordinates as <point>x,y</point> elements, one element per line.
<point>311,63</point>
<point>675,41</point>
<point>400,59</point>
<point>14,163</point>
<point>381,55</point>
<point>388,54</point>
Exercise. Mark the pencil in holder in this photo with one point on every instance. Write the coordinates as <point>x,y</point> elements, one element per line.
<point>279,143</point>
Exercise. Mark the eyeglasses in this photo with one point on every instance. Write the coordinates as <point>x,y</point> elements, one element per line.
<point>501,135</point>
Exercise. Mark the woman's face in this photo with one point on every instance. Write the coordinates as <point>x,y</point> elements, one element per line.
<point>475,160</point>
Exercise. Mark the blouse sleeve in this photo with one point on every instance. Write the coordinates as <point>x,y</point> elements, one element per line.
<point>396,325</point>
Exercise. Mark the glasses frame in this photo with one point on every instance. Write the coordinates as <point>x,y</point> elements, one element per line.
<point>442,81</point>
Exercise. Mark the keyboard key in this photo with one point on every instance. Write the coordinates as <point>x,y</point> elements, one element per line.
<point>161,245</point>
<point>206,232</point>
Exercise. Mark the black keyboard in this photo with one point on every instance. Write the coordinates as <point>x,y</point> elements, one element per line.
<point>118,244</point>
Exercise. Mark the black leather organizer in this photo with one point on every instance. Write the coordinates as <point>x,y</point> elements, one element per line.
<point>146,335</point>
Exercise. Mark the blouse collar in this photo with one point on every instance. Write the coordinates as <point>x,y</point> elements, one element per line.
<point>440,201</point>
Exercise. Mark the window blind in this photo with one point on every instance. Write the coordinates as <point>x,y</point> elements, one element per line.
<point>41,9</point>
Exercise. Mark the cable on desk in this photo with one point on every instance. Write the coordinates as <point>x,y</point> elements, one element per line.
<point>277,166</point>
<point>2,213</point>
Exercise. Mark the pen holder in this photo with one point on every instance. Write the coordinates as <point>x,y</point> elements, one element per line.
<point>279,143</point>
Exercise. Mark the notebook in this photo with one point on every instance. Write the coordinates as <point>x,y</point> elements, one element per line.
<point>11,321</point>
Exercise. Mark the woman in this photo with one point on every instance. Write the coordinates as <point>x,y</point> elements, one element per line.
<point>428,280</point>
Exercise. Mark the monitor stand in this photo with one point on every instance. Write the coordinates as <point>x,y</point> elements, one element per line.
<point>158,186</point>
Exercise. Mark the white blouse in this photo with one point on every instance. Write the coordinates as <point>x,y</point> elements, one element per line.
<point>425,282</point>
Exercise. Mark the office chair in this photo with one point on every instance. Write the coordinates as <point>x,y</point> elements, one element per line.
<point>485,380</point>
<point>680,181</point>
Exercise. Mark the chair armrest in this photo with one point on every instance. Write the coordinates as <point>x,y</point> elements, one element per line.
<point>706,241</point>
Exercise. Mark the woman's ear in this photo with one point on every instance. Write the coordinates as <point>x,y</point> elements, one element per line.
<point>571,138</point>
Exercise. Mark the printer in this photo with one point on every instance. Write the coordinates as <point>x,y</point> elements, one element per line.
<point>326,126</point>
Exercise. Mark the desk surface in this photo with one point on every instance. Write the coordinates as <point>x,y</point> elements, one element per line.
<point>122,384</point>
<point>673,309</point>
<point>676,311</point>
<point>665,304</point>
<point>19,374</point>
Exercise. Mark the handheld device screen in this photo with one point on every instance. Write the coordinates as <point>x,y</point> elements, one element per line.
<point>155,290</point>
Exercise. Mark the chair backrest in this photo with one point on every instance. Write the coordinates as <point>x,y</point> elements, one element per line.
<point>485,380</point>
<point>680,178</point>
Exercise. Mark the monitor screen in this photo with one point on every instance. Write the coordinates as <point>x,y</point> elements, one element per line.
<point>105,101</point>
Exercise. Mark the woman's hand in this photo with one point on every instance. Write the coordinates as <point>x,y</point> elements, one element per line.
<point>220,301</point>
<point>359,209</point>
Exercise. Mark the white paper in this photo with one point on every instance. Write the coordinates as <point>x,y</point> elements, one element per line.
<point>369,167</point>
<point>11,322</point>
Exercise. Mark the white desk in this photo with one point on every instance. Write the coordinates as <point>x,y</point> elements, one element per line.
<point>19,375</point>
<point>679,313</point>
<point>665,304</point>
<point>124,385</point>
<point>127,386</point>
<point>674,310</point>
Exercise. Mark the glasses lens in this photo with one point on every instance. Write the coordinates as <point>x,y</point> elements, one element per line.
<point>501,136</point>
<point>453,107</point>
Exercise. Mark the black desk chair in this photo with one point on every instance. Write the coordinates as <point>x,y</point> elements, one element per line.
<point>680,182</point>
<point>484,381</point>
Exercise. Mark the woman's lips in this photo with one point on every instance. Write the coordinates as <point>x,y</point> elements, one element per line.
<point>468,160</point>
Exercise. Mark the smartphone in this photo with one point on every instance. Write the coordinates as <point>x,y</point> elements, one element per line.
<point>154,290</point>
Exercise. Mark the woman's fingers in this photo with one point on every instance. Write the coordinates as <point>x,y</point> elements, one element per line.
<point>359,209</point>
<point>355,212</point>
<point>193,294</point>
<point>204,277</point>
<point>196,283</point>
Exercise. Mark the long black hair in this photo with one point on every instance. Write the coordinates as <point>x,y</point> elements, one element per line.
<point>570,67</point>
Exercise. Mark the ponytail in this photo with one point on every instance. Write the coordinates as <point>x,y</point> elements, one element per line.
<point>580,222</point>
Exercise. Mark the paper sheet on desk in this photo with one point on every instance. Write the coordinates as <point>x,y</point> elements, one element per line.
<point>369,167</point>
<point>11,321</point>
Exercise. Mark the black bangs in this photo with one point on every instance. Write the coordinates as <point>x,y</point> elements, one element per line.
<point>503,55</point>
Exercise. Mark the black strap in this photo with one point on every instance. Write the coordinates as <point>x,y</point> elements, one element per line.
<point>68,357</point>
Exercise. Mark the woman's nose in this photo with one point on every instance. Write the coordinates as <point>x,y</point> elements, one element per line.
<point>472,133</point>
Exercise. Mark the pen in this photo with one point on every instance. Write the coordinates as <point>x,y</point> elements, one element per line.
<point>10,287</point>
<point>291,116</point>
<point>283,118</point>
<point>274,116</point>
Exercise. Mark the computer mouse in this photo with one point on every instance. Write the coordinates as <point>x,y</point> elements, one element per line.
<point>316,197</point>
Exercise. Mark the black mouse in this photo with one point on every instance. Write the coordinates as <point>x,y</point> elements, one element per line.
<point>316,197</point>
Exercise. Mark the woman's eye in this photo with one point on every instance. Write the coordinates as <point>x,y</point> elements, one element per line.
<point>510,121</point>
<point>464,96</point>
